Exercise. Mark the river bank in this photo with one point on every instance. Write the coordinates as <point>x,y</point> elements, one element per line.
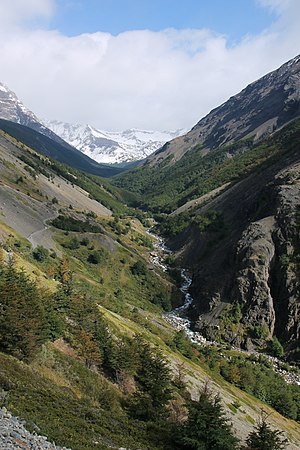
<point>179,320</point>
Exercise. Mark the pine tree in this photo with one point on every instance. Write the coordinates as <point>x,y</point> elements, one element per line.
<point>154,384</point>
<point>207,427</point>
<point>263,438</point>
<point>154,376</point>
<point>23,324</point>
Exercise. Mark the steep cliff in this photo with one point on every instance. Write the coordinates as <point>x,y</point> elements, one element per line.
<point>246,271</point>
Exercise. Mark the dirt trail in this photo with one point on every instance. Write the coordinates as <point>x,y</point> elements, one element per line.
<point>43,236</point>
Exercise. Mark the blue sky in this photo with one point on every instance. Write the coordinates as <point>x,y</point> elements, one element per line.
<point>156,64</point>
<point>235,18</point>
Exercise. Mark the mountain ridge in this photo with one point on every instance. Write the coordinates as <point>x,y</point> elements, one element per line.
<point>110,147</point>
<point>241,242</point>
<point>12,110</point>
<point>64,153</point>
<point>232,129</point>
<point>259,109</point>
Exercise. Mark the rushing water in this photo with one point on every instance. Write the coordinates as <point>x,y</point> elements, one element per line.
<point>177,317</point>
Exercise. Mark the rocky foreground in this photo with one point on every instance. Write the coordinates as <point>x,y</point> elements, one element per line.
<point>13,435</point>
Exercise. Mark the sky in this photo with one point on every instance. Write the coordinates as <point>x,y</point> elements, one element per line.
<point>148,64</point>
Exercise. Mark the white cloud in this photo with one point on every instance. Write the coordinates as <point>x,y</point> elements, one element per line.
<point>159,80</point>
<point>276,5</point>
<point>14,12</point>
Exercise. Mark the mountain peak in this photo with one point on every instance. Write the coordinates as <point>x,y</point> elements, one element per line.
<point>11,108</point>
<point>258,110</point>
<point>3,88</point>
<point>112,147</point>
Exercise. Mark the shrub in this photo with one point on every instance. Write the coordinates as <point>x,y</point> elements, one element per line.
<point>263,438</point>
<point>95,257</point>
<point>73,244</point>
<point>275,348</point>
<point>40,253</point>
<point>139,268</point>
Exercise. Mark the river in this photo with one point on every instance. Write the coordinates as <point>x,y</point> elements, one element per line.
<point>177,317</point>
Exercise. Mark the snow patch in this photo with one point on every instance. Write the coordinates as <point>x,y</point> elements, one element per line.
<point>112,147</point>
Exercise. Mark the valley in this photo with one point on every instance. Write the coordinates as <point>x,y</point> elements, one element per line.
<point>133,303</point>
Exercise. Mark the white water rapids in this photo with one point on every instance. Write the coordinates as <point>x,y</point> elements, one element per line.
<point>179,322</point>
<point>176,317</point>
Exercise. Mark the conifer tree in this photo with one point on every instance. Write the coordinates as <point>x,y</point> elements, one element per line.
<point>154,384</point>
<point>207,427</point>
<point>23,324</point>
<point>89,349</point>
<point>264,438</point>
<point>154,376</point>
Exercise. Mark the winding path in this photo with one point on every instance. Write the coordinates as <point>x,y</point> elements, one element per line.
<point>43,236</point>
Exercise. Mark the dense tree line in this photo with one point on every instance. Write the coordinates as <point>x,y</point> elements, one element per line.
<point>262,382</point>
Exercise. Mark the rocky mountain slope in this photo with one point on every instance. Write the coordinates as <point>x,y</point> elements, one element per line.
<point>166,180</point>
<point>28,204</point>
<point>245,261</point>
<point>13,111</point>
<point>112,147</point>
<point>261,108</point>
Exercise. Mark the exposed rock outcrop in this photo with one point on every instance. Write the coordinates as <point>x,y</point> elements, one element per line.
<point>251,266</point>
<point>261,108</point>
<point>254,254</point>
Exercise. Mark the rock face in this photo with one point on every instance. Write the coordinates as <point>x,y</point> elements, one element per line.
<point>254,254</point>
<point>252,264</point>
<point>258,110</point>
<point>12,109</point>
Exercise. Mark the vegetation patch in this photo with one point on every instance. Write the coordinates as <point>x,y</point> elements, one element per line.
<point>69,223</point>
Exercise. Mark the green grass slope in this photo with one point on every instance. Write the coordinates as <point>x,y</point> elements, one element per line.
<point>164,188</point>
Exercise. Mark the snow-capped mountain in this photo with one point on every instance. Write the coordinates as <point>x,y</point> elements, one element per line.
<point>11,108</point>
<point>102,146</point>
<point>18,120</point>
<point>112,147</point>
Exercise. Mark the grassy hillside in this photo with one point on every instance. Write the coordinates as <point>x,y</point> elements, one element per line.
<point>80,374</point>
<point>165,187</point>
<point>86,355</point>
